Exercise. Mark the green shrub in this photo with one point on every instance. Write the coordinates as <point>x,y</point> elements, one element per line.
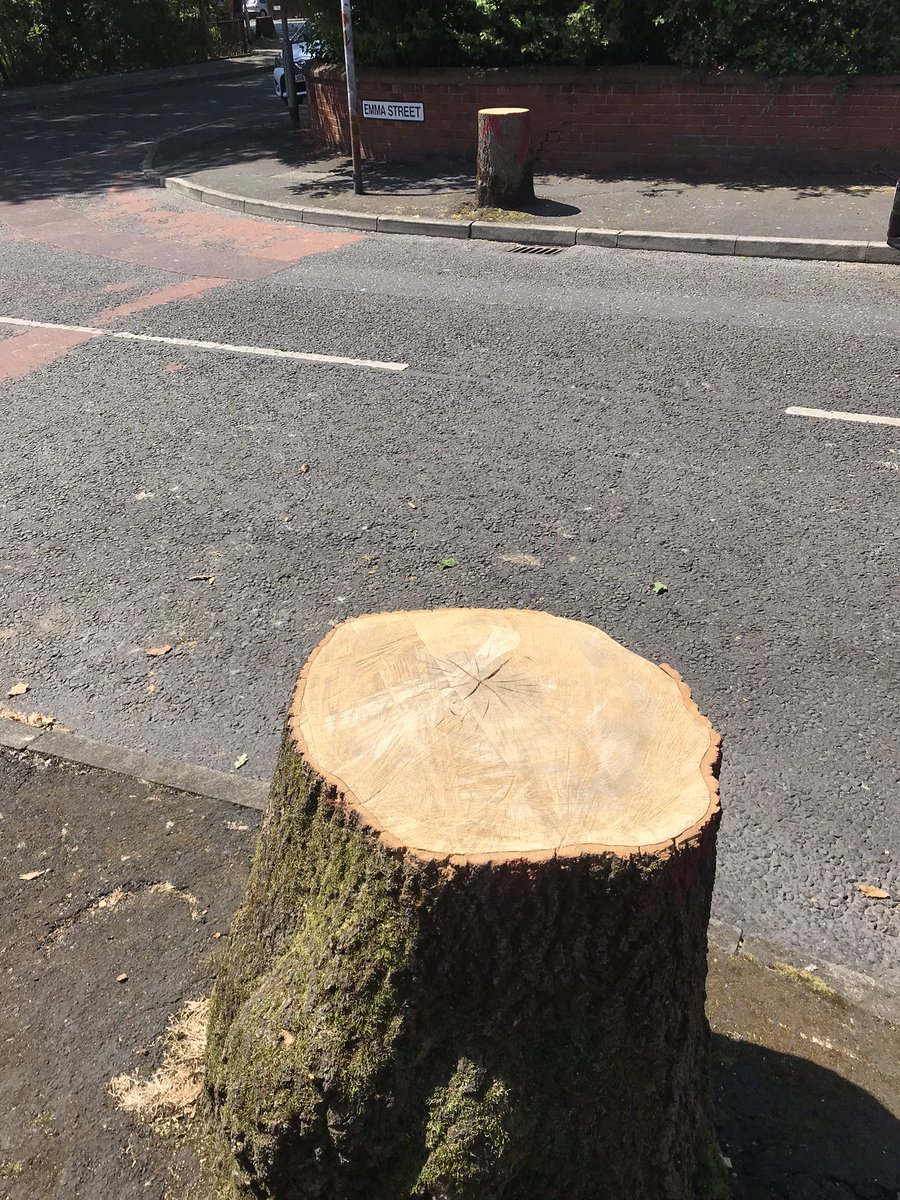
<point>778,37</point>
<point>48,40</point>
<point>772,37</point>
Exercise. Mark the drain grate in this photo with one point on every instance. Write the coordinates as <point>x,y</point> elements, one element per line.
<point>530,249</point>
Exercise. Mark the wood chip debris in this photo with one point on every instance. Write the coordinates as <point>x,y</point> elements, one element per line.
<point>36,719</point>
<point>158,651</point>
<point>18,689</point>
<point>874,893</point>
<point>29,875</point>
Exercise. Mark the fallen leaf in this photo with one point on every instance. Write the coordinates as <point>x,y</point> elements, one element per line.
<point>239,762</point>
<point>286,1037</point>
<point>29,875</point>
<point>121,978</point>
<point>216,936</point>
<point>6,633</point>
<point>210,579</point>
<point>18,689</point>
<point>447,564</point>
<point>660,588</point>
<point>874,893</point>
<point>304,468</point>
<point>157,651</point>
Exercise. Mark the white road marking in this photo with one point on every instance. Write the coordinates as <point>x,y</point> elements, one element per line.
<point>48,325</point>
<point>334,360</point>
<point>832,415</point>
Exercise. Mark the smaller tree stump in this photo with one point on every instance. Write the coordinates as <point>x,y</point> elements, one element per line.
<point>504,177</point>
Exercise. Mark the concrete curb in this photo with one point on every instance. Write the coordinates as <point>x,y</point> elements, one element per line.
<point>41,95</point>
<point>183,777</point>
<point>859,989</point>
<point>810,249</point>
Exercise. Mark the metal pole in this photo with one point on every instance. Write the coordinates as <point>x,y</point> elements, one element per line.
<point>287,54</point>
<point>350,64</point>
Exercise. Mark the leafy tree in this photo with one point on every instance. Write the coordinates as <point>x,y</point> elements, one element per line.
<point>772,37</point>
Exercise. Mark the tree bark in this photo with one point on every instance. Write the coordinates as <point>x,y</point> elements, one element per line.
<point>393,1023</point>
<point>504,176</point>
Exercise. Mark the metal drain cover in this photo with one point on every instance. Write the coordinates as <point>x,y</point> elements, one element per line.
<point>532,249</point>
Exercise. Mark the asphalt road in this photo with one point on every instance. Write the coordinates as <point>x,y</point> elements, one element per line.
<point>569,429</point>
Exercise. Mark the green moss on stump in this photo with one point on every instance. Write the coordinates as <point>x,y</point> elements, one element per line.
<point>390,1029</point>
<point>466,1136</point>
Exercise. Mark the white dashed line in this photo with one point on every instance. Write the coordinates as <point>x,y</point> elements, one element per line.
<point>831,415</point>
<point>333,360</point>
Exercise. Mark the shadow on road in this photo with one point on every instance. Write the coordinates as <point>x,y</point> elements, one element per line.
<point>84,147</point>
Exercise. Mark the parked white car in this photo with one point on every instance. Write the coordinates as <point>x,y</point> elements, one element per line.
<point>302,55</point>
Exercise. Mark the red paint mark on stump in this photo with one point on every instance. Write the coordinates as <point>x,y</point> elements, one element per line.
<point>175,291</point>
<point>33,348</point>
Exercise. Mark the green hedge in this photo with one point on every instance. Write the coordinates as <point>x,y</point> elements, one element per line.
<point>48,40</point>
<point>772,37</point>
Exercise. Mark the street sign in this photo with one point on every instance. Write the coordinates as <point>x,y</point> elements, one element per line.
<point>393,110</point>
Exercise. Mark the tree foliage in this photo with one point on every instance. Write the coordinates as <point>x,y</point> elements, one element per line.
<point>772,37</point>
<point>47,40</point>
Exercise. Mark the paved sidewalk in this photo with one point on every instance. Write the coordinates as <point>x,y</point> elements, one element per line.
<point>269,164</point>
<point>118,891</point>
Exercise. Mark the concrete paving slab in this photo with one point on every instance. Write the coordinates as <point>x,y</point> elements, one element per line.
<point>222,199</point>
<point>878,252</point>
<point>529,235</point>
<point>608,238</point>
<point>427,226</point>
<point>340,219</point>
<point>811,248</point>
<point>687,243</point>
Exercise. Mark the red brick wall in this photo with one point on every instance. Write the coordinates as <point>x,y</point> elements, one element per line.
<point>636,119</point>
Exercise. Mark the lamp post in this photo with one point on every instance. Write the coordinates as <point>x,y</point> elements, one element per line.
<point>350,65</point>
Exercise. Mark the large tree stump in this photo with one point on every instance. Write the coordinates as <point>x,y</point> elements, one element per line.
<point>470,962</point>
<point>503,177</point>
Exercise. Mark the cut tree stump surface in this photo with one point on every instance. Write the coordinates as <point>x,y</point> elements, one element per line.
<point>470,961</point>
<point>473,733</point>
